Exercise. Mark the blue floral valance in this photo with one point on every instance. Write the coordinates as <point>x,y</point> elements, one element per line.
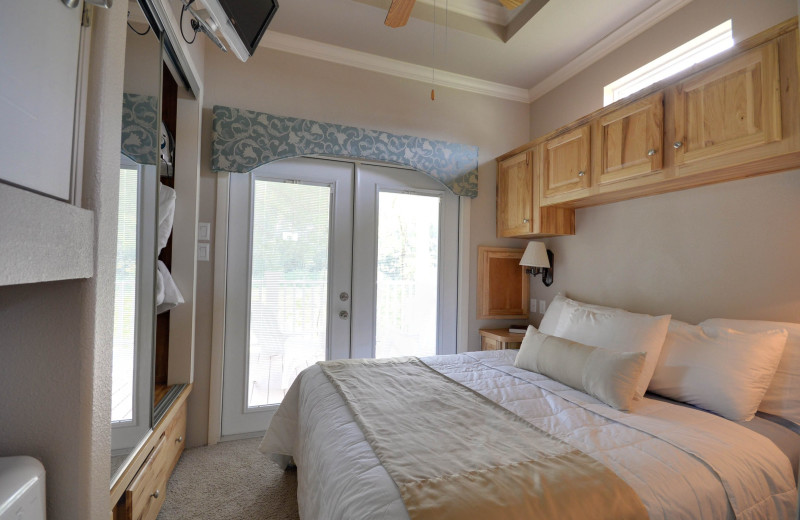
<point>243,140</point>
<point>140,128</point>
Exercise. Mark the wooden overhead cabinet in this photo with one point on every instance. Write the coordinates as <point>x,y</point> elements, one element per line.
<point>722,114</point>
<point>519,213</point>
<point>566,165</point>
<point>736,115</point>
<point>630,141</point>
<point>515,196</point>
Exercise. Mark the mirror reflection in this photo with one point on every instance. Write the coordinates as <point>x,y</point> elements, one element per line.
<point>135,287</point>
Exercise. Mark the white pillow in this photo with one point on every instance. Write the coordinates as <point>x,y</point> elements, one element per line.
<point>783,395</point>
<point>607,327</point>
<point>717,368</point>
<point>605,374</point>
<point>168,295</point>
<point>552,315</point>
<point>166,214</point>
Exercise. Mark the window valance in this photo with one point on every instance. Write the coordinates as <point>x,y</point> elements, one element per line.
<point>243,140</point>
<point>140,128</point>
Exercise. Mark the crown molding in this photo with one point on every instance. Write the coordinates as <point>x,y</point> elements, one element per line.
<point>372,62</point>
<point>633,28</point>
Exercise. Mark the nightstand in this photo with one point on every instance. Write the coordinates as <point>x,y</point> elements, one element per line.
<point>499,339</point>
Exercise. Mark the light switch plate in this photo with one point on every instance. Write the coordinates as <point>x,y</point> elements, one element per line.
<point>202,252</point>
<point>204,231</point>
<point>532,306</point>
<point>542,306</point>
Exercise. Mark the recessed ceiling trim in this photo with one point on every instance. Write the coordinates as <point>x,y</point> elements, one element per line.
<point>478,9</point>
<point>372,62</point>
<point>633,28</point>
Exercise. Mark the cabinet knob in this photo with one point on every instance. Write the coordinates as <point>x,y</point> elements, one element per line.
<point>651,152</point>
<point>525,220</point>
<point>677,144</point>
<point>179,439</point>
<point>156,494</point>
<point>581,173</point>
<point>344,315</point>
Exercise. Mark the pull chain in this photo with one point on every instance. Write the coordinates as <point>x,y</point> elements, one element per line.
<point>433,52</point>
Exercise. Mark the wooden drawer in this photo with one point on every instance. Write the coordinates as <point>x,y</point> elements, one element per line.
<point>175,438</point>
<point>148,490</point>
<point>146,494</point>
<point>500,339</point>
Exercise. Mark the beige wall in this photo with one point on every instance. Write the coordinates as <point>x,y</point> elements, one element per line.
<point>728,250</point>
<point>55,338</point>
<point>290,85</point>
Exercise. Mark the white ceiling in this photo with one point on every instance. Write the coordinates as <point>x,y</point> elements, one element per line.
<point>561,38</point>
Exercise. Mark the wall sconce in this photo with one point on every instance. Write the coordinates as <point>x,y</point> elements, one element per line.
<point>538,260</point>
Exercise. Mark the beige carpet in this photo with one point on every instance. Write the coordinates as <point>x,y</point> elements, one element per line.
<point>230,481</point>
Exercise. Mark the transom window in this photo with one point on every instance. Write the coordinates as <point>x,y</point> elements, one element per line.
<point>694,51</point>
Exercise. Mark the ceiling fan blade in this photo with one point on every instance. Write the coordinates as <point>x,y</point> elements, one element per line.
<point>399,12</point>
<point>511,4</point>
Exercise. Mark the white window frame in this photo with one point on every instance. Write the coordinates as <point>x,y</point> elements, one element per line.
<point>708,44</point>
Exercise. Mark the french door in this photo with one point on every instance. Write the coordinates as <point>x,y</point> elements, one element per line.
<point>331,260</point>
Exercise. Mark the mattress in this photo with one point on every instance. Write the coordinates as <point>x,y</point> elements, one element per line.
<point>681,462</point>
<point>783,433</point>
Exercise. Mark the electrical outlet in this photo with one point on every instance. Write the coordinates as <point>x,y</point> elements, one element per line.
<point>532,306</point>
<point>542,306</point>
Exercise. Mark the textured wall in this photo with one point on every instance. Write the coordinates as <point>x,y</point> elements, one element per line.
<point>290,85</point>
<point>55,338</point>
<point>728,250</point>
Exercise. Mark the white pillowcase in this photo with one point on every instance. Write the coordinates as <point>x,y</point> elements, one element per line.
<point>610,328</point>
<point>783,395</point>
<point>605,374</point>
<point>718,369</point>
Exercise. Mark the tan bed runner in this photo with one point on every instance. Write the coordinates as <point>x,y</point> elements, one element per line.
<point>455,454</point>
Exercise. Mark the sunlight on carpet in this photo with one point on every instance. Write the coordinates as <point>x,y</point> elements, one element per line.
<point>230,481</point>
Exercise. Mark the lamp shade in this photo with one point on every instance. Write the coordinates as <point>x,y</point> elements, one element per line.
<point>535,255</point>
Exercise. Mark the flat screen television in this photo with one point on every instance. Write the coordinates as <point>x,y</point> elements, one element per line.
<point>242,22</point>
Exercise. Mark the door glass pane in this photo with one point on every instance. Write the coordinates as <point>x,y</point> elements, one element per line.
<point>289,286</point>
<point>125,299</point>
<point>407,278</point>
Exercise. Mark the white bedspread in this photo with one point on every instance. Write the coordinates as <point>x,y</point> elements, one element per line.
<point>682,463</point>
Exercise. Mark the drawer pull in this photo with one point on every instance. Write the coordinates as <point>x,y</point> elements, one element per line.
<point>677,144</point>
<point>179,439</point>
<point>581,173</point>
<point>651,152</point>
<point>156,494</point>
<point>525,221</point>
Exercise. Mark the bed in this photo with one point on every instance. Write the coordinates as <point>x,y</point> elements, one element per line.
<point>681,462</point>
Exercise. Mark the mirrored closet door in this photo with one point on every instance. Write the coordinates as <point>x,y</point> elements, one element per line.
<point>135,286</point>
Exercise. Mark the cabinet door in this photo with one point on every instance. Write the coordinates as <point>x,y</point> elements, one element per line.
<point>566,163</point>
<point>515,196</point>
<point>631,140</point>
<point>503,285</point>
<point>731,107</point>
